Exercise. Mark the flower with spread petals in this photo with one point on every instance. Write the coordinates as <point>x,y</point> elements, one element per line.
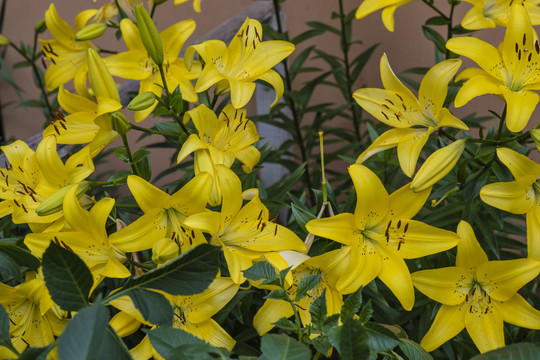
<point>388,6</point>
<point>236,67</point>
<point>136,64</point>
<point>510,71</point>
<point>67,56</point>
<point>220,141</point>
<point>87,237</point>
<point>244,233</point>
<point>490,13</point>
<point>35,320</point>
<point>477,294</point>
<point>164,215</point>
<point>196,4</point>
<point>413,119</point>
<point>380,234</point>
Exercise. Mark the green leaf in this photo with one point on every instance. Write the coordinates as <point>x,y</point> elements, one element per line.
<point>260,271</point>
<point>283,347</point>
<point>322,26</point>
<point>36,353</point>
<point>437,20</point>
<point>436,38</point>
<point>352,340</point>
<point>112,347</point>
<point>188,274</point>
<point>168,127</point>
<point>318,310</point>
<point>351,305</point>
<point>307,283</point>
<point>278,294</point>
<point>306,35</point>
<point>366,312</point>
<point>21,256</point>
<point>84,333</point>
<point>301,216</point>
<point>413,351</point>
<point>67,277</point>
<point>380,337</point>
<point>9,270</point>
<point>285,324</point>
<point>153,306</point>
<point>521,351</point>
<point>282,274</point>
<point>5,339</point>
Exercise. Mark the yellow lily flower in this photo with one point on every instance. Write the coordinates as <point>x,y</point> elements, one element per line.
<point>88,122</point>
<point>220,141</point>
<point>244,233</point>
<point>33,177</point>
<point>164,215</point>
<point>35,319</point>
<point>478,295</point>
<point>330,265</point>
<point>390,6</point>
<point>490,13</point>
<point>236,67</point>
<point>192,314</point>
<point>87,237</point>
<point>413,119</point>
<point>196,4</point>
<point>509,71</point>
<point>380,234</point>
<point>136,64</point>
<point>67,56</point>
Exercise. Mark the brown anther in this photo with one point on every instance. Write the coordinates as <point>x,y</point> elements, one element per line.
<point>524,39</point>
<point>386,116</point>
<point>24,208</point>
<point>44,63</point>
<point>62,124</point>
<point>275,231</point>
<point>406,228</point>
<point>52,60</point>
<point>16,203</point>
<point>56,129</point>
<point>390,101</point>
<point>400,98</point>
<point>260,214</point>
<point>263,226</point>
<point>66,246</point>
<point>240,123</point>
<point>401,242</point>
<point>399,224</point>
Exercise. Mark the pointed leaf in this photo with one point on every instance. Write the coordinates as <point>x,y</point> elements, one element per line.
<point>522,351</point>
<point>307,283</point>
<point>21,256</point>
<point>283,347</point>
<point>352,341</point>
<point>351,305</point>
<point>153,306</point>
<point>413,351</point>
<point>36,353</point>
<point>260,271</point>
<point>380,337</point>
<point>318,310</point>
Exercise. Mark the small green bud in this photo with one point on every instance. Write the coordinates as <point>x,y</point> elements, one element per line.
<point>4,41</point>
<point>55,202</point>
<point>91,32</point>
<point>40,27</point>
<point>142,101</point>
<point>119,123</point>
<point>149,35</point>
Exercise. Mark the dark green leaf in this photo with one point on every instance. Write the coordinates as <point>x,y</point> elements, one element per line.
<point>166,339</point>
<point>20,256</point>
<point>112,347</point>
<point>307,283</point>
<point>168,127</point>
<point>5,339</point>
<point>32,103</point>
<point>366,312</point>
<point>260,271</point>
<point>83,334</point>
<point>413,351</point>
<point>351,305</point>
<point>278,294</point>
<point>352,340</point>
<point>9,270</point>
<point>153,306</point>
<point>301,216</point>
<point>380,337</point>
<point>36,353</point>
<point>188,274</point>
<point>306,35</point>
<point>437,20</point>
<point>436,38</point>
<point>322,26</point>
<point>283,347</point>
<point>318,310</point>
<point>67,277</point>
<point>282,274</point>
<point>285,324</point>
<point>522,351</point>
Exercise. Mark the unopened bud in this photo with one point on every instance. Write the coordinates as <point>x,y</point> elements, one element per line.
<point>142,101</point>
<point>4,41</point>
<point>54,203</point>
<point>149,35</point>
<point>164,250</point>
<point>91,32</point>
<point>437,165</point>
<point>100,78</point>
<point>119,123</point>
<point>40,27</point>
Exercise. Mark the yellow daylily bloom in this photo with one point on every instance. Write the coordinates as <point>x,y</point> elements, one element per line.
<point>192,314</point>
<point>236,67</point>
<point>220,141</point>
<point>380,234</point>
<point>244,233</point>
<point>33,177</point>
<point>388,6</point>
<point>136,64</point>
<point>490,13</point>
<point>509,71</point>
<point>478,295</point>
<point>87,121</point>
<point>164,215</point>
<point>35,320</point>
<point>87,237</point>
<point>67,56</point>
<point>330,266</point>
<point>196,4</point>
<point>413,119</point>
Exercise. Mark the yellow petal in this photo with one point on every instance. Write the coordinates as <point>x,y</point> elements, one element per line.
<point>505,277</point>
<point>124,324</point>
<point>174,37</point>
<point>340,228</point>
<point>127,65</point>
<point>148,196</point>
<point>364,264</point>
<point>275,80</point>
<point>447,119</point>
<point>448,323</point>
<point>485,328</point>
<point>481,52</point>
<point>73,103</point>
<point>434,86</point>
<point>521,105</point>
<point>213,299</point>
<point>476,86</point>
<point>440,284</point>
<point>100,78</point>
<point>470,254</point>
<point>386,140</point>
<point>271,311</point>
<point>395,274</point>
<point>372,198</point>
<point>405,203</point>
<point>130,35</point>
<point>516,197</point>
<point>518,164</point>
<point>58,28</point>
<point>409,149</point>
<point>533,234</point>
<point>211,332</point>
<point>142,233</point>
<point>192,197</point>
<point>241,92</point>
<point>517,311</point>
<point>193,143</point>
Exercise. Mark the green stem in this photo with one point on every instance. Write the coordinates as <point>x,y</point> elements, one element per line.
<point>450,32</point>
<point>152,131</point>
<point>501,123</point>
<point>292,106</point>
<point>436,10</point>
<point>176,116</point>
<point>214,101</point>
<point>105,183</point>
<point>130,156</point>
<point>345,48</point>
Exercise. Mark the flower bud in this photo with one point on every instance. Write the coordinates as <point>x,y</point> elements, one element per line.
<point>142,101</point>
<point>101,81</point>
<point>149,34</point>
<point>119,123</point>
<point>4,41</point>
<point>437,165</point>
<point>54,203</point>
<point>41,26</point>
<point>91,32</point>
<point>164,250</point>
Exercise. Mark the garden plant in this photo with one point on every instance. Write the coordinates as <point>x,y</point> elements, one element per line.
<point>399,230</point>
